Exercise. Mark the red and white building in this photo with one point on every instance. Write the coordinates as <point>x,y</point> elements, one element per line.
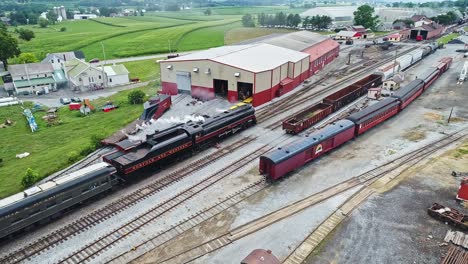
<point>262,71</point>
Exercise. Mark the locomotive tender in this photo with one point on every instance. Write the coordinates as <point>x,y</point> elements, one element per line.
<point>283,160</point>
<point>48,200</point>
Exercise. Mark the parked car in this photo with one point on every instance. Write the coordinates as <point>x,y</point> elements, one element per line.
<point>109,106</point>
<point>76,100</point>
<point>95,60</point>
<point>64,101</point>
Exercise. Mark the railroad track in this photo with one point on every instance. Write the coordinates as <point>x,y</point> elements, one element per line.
<point>387,171</point>
<point>192,221</point>
<point>301,96</point>
<point>96,247</point>
<point>90,159</point>
<point>100,215</point>
<point>383,174</point>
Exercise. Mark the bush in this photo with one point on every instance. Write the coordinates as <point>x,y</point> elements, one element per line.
<point>136,97</point>
<point>43,22</point>
<point>73,157</point>
<point>29,178</point>
<point>96,141</point>
<point>63,29</point>
<point>87,150</point>
<point>26,34</point>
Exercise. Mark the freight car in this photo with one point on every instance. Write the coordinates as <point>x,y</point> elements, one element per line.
<point>352,92</point>
<point>180,140</point>
<point>283,160</point>
<point>156,106</point>
<point>51,198</point>
<point>307,118</point>
<point>330,104</point>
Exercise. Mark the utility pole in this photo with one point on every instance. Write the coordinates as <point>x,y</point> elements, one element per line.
<point>104,76</point>
<point>394,62</point>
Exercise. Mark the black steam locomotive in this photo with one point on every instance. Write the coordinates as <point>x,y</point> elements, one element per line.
<point>50,199</point>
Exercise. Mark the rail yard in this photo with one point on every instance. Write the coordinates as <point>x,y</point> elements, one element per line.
<point>227,180</point>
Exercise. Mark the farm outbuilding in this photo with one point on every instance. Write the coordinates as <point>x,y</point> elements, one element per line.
<point>427,31</point>
<point>261,71</point>
<point>322,49</point>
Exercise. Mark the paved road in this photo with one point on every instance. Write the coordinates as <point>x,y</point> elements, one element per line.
<point>148,57</point>
<point>53,99</point>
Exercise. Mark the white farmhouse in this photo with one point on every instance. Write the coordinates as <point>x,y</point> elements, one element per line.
<point>116,75</point>
<point>83,76</point>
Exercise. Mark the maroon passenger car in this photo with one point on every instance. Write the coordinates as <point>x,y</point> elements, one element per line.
<point>285,159</point>
<point>375,114</point>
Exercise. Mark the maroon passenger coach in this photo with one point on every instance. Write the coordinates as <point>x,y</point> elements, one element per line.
<point>285,159</point>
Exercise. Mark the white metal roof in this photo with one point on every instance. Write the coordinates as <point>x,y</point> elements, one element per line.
<point>254,58</point>
<point>345,33</point>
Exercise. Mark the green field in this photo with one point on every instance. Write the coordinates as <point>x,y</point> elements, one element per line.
<point>156,32</point>
<point>445,39</point>
<point>50,147</point>
<point>240,34</point>
<point>145,70</point>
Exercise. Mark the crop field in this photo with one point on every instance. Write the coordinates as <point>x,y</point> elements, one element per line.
<point>237,35</point>
<point>121,37</point>
<point>445,39</point>
<point>156,32</point>
<point>51,147</point>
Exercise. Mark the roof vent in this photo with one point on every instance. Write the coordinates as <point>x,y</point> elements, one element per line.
<point>279,148</point>
<point>208,71</point>
<point>315,138</point>
<point>195,69</point>
<point>237,74</point>
<point>169,67</point>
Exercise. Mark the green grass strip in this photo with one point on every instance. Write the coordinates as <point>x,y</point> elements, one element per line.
<point>195,29</point>
<point>106,23</point>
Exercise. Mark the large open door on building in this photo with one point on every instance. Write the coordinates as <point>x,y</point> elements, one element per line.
<point>244,90</point>
<point>184,83</point>
<point>220,87</point>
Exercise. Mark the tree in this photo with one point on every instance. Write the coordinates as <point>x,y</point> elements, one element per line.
<point>248,21</point>
<point>43,22</point>
<point>52,16</point>
<point>306,22</point>
<point>289,20</point>
<point>172,7</point>
<point>26,57</point>
<point>207,12</point>
<point>136,97</point>
<point>262,19</point>
<point>364,16</point>
<point>29,178</point>
<point>8,47</point>
<point>280,18</point>
<point>296,20</point>
<point>26,34</point>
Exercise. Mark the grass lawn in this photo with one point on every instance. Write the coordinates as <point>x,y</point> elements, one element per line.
<point>50,147</point>
<point>146,70</point>
<point>240,34</point>
<point>447,38</point>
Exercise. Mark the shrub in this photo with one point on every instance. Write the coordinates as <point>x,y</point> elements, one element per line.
<point>26,34</point>
<point>29,178</point>
<point>87,150</point>
<point>96,141</point>
<point>136,97</point>
<point>73,156</point>
<point>63,29</point>
<point>43,22</point>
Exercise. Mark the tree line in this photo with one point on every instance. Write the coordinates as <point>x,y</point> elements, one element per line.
<point>287,20</point>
